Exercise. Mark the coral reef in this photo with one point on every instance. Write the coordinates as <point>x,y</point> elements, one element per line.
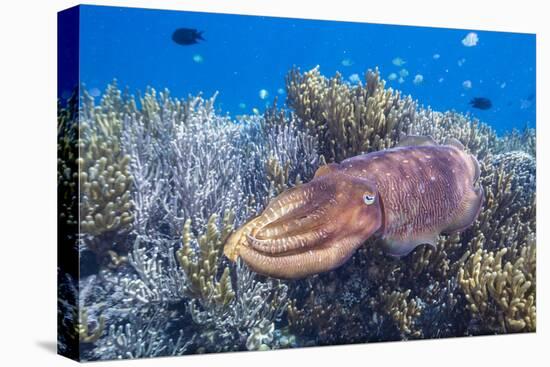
<point>166,180</point>
<point>348,120</point>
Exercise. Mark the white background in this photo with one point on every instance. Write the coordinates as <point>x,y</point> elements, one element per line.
<point>28,182</point>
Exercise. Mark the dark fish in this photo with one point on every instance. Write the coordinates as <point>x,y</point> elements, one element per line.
<point>481,103</point>
<point>187,36</point>
<point>531,97</point>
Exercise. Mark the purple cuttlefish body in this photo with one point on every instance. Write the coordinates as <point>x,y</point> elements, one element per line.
<point>406,195</point>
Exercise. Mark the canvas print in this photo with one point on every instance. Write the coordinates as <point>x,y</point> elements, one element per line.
<point>248,183</point>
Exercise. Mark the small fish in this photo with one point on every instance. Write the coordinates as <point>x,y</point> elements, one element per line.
<point>467,84</point>
<point>281,91</point>
<point>403,73</point>
<point>461,61</point>
<point>263,94</point>
<point>398,61</point>
<point>347,62</point>
<point>470,40</point>
<point>418,79</point>
<point>354,78</point>
<point>392,76</point>
<point>481,103</point>
<point>187,36</point>
<point>436,56</point>
<point>198,58</point>
<point>524,104</point>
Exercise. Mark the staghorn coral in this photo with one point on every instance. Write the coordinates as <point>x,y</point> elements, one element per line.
<point>348,120</point>
<point>104,179</point>
<point>401,309</point>
<point>516,140</point>
<point>500,289</point>
<point>477,137</point>
<point>199,265</point>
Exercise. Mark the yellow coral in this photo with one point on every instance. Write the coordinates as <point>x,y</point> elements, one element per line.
<point>501,292</point>
<point>349,120</point>
<point>103,170</point>
<point>201,264</point>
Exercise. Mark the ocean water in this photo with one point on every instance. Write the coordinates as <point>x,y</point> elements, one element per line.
<point>151,213</point>
<point>243,55</point>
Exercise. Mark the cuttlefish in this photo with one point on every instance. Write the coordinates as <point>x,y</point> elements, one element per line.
<point>405,196</point>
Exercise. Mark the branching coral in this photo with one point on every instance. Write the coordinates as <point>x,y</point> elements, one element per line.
<point>200,265</point>
<point>349,120</point>
<point>402,310</point>
<point>501,291</point>
<point>477,137</point>
<point>105,206</point>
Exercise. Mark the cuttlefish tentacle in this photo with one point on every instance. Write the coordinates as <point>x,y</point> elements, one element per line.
<point>406,196</point>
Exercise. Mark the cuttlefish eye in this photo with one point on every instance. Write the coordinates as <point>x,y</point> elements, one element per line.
<point>368,199</point>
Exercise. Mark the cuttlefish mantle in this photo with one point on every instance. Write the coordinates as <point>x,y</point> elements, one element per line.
<point>407,196</point>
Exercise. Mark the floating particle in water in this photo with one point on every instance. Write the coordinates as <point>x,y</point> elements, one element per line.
<point>436,56</point>
<point>354,78</point>
<point>95,92</point>
<point>418,79</point>
<point>525,104</point>
<point>401,80</point>
<point>347,62</point>
<point>198,58</point>
<point>503,85</point>
<point>187,36</point>
<point>440,80</point>
<point>403,73</point>
<point>470,40</point>
<point>461,61</point>
<point>467,84</point>
<point>255,111</point>
<point>263,94</point>
<point>242,105</point>
<point>392,76</point>
<point>481,103</point>
<point>281,91</point>
<point>398,61</point>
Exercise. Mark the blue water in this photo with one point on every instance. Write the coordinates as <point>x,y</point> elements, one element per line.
<point>243,55</point>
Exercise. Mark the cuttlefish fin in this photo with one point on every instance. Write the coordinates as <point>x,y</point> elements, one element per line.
<point>415,140</point>
<point>325,169</point>
<point>403,246</point>
<point>467,211</point>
